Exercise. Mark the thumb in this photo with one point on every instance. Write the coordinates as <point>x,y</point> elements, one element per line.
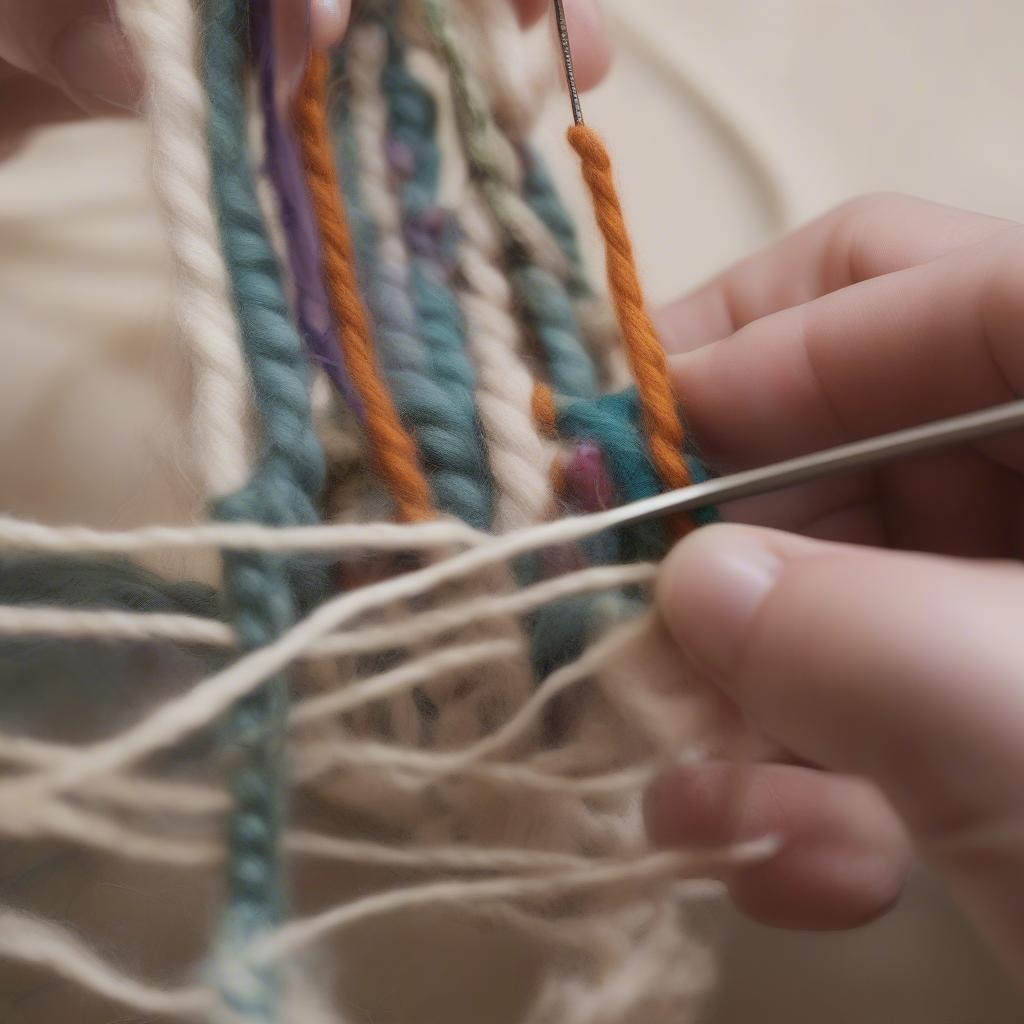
<point>73,45</point>
<point>905,669</point>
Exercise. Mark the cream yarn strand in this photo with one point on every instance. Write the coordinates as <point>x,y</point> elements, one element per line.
<point>164,37</point>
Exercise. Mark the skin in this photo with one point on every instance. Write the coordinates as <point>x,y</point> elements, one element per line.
<point>869,638</point>
<point>865,631</point>
<point>64,59</point>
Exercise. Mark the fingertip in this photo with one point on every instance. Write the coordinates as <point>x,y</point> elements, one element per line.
<point>92,64</point>
<point>328,20</point>
<point>592,47</point>
<point>843,857</point>
<point>710,589</point>
<point>530,11</point>
<point>592,44</point>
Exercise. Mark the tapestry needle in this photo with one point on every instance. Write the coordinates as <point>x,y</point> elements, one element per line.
<point>570,70</point>
<point>864,454</point>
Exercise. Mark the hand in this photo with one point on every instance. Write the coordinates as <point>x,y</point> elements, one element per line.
<point>886,688</point>
<point>60,59</point>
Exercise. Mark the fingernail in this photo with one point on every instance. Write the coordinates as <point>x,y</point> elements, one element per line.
<point>93,64</point>
<point>711,589</point>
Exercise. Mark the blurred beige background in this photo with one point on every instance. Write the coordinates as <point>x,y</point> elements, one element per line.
<point>731,120</point>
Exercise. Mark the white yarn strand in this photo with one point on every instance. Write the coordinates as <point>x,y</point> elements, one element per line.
<point>164,36</point>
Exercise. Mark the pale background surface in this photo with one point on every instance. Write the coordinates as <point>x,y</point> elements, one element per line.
<point>731,120</point>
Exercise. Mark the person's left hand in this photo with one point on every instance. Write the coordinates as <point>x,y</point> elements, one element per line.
<point>64,59</point>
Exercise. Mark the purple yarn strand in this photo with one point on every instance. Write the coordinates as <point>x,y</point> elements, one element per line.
<point>313,311</point>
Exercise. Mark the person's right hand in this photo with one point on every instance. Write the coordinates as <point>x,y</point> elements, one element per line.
<point>874,640</point>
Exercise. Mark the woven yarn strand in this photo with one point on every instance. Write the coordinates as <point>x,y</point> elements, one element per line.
<point>394,448</point>
<point>263,593</point>
<point>646,356</point>
<point>536,261</point>
<point>164,35</point>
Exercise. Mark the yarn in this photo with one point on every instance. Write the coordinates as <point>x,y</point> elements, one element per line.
<point>540,192</point>
<point>261,592</point>
<point>464,723</point>
<point>446,432</point>
<point>164,35</point>
<point>520,462</point>
<point>516,87</point>
<point>313,312</point>
<point>646,356</point>
<point>413,125</point>
<point>492,164</point>
<point>394,449</point>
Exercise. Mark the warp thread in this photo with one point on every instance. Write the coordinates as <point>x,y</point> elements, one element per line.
<point>442,419</point>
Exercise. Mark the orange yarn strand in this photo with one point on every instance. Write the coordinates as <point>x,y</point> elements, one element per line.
<point>646,356</point>
<point>544,413</point>
<point>394,448</point>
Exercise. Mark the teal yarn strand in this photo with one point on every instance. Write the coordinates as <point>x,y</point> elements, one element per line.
<point>262,592</point>
<point>542,196</point>
<point>561,631</point>
<point>539,294</point>
<point>553,320</point>
<point>417,328</point>
<point>464,487</point>
<point>91,684</point>
<point>615,424</point>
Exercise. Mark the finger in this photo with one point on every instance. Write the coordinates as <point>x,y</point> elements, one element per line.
<point>298,27</point>
<point>73,45</point>
<point>530,11</point>
<point>592,49</point>
<point>865,238</point>
<point>843,855</point>
<point>903,669</point>
<point>919,344</point>
<point>328,20</point>
<point>30,103</point>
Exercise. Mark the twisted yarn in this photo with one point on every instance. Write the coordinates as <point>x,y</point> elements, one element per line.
<point>445,430</point>
<point>262,592</point>
<point>520,460</point>
<point>465,488</point>
<point>532,254</point>
<point>646,356</point>
<point>313,311</point>
<point>164,35</point>
<point>394,449</point>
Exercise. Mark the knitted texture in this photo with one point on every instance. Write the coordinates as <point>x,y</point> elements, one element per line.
<point>394,449</point>
<point>261,591</point>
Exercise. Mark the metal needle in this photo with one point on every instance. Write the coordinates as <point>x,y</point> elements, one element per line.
<point>570,71</point>
<point>874,451</point>
<point>858,455</point>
